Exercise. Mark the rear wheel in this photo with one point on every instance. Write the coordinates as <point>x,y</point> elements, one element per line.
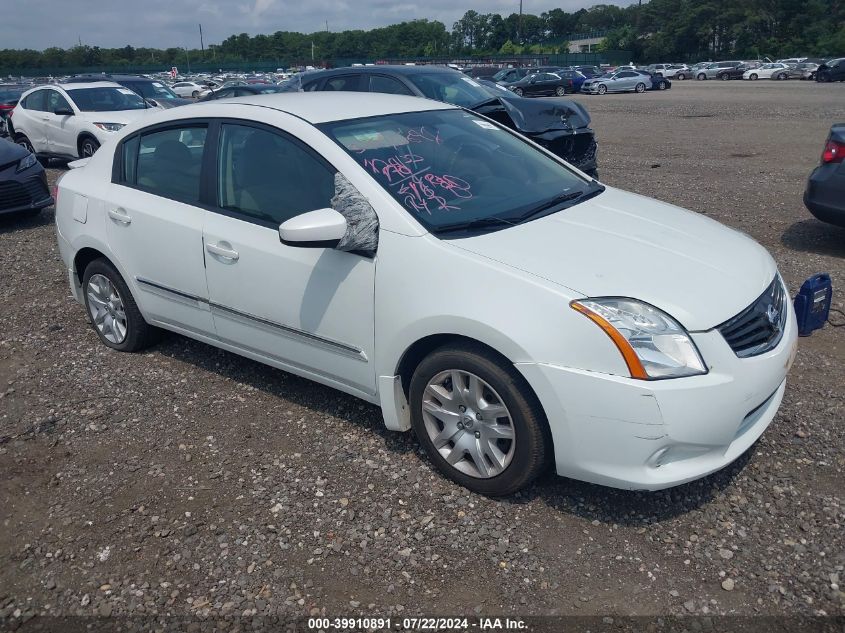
<point>195,94</point>
<point>640,87</point>
<point>112,309</point>
<point>724,77</point>
<point>477,420</point>
<point>681,76</point>
<point>782,76</point>
<point>560,91</point>
<point>661,85</point>
<point>701,76</point>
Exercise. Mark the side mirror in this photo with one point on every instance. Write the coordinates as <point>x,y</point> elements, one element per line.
<point>322,228</point>
<point>63,112</point>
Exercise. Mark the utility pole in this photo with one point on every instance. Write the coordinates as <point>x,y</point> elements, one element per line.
<point>519,24</point>
<point>202,46</point>
<point>188,59</point>
<point>312,51</point>
<point>327,26</point>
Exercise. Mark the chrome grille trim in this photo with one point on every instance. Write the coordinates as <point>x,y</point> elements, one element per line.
<point>758,328</point>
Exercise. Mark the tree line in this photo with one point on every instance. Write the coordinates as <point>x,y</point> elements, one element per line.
<point>656,30</point>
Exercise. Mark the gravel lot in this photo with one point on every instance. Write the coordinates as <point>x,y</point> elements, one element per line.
<point>189,481</point>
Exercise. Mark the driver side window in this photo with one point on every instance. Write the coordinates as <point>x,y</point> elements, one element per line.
<point>268,177</point>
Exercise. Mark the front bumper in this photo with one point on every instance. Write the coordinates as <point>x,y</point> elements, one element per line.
<point>824,195</point>
<point>650,435</point>
<point>26,191</point>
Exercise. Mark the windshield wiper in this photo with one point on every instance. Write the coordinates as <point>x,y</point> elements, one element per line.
<point>573,196</point>
<point>480,223</point>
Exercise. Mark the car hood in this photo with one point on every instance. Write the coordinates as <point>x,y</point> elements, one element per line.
<point>170,103</point>
<point>621,244</point>
<point>535,116</point>
<point>118,116</point>
<point>10,152</point>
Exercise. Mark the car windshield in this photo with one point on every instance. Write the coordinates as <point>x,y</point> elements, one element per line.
<point>453,88</point>
<point>151,89</point>
<point>454,171</point>
<point>502,74</point>
<point>106,99</point>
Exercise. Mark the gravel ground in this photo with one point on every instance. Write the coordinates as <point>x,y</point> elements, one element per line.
<point>189,481</point>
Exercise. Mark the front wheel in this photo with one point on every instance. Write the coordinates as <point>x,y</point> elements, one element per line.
<point>724,77</point>
<point>701,76</point>
<point>112,309</point>
<point>478,420</point>
<point>753,77</point>
<point>661,85</point>
<point>640,87</point>
<point>782,76</point>
<point>518,92</point>
<point>602,89</point>
<point>681,76</point>
<point>88,147</point>
<point>195,94</point>
<point>560,91</point>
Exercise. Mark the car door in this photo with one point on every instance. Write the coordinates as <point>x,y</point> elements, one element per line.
<point>309,310</point>
<point>154,223</point>
<point>625,80</point>
<point>61,128</point>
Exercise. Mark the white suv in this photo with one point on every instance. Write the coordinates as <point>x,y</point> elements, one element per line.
<point>73,120</point>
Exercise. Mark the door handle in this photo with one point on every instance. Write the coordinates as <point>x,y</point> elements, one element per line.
<point>224,250</point>
<point>120,216</point>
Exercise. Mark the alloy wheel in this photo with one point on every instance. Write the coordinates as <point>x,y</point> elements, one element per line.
<point>602,89</point>
<point>106,308</point>
<point>468,423</point>
<point>88,149</point>
<point>560,91</point>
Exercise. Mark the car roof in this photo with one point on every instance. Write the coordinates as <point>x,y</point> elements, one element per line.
<point>85,84</point>
<point>387,68</point>
<point>323,107</point>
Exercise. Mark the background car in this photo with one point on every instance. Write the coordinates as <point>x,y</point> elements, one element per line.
<point>672,70</point>
<point>658,82</point>
<point>735,72</point>
<point>23,183</point>
<point>72,120</point>
<point>588,71</point>
<point>711,71</point>
<point>511,75</point>
<point>191,89</point>
<point>542,84</point>
<point>831,70</point>
<point>617,81</point>
<point>227,92</point>
<point>153,90</point>
<point>561,126</point>
<point>767,71</point>
<point>689,73</point>
<point>807,70</point>
<point>824,195</point>
<point>9,96</point>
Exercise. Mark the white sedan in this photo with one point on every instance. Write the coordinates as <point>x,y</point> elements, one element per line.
<point>510,310</point>
<point>767,71</point>
<point>190,89</point>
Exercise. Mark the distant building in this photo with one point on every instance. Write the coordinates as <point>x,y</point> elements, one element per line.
<point>585,42</point>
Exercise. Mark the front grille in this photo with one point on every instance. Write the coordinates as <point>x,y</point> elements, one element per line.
<point>15,194</point>
<point>759,327</point>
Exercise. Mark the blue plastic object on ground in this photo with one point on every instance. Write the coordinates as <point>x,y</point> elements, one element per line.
<point>812,305</point>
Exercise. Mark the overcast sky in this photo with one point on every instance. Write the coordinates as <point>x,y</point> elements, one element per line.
<point>40,24</point>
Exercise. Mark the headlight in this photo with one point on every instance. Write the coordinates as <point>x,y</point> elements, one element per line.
<point>26,162</point>
<point>652,343</point>
<point>110,127</point>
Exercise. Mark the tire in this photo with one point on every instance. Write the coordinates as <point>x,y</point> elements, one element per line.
<point>137,334</point>
<point>195,94</point>
<point>753,77</point>
<point>602,89</point>
<point>640,87</point>
<point>521,457</point>
<point>88,146</point>
<point>680,76</point>
<point>518,92</point>
<point>560,91</point>
<point>701,77</point>
<point>24,142</point>
<point>661,85</point>
<point>724,77</point>
<point>782,76</point>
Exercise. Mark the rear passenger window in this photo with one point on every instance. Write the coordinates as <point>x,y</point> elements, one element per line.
<point>268,177</point>
<point>169,162</point>
<point>389,85</point>
<point>36,101</point>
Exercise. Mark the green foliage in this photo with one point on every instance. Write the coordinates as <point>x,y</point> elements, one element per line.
<point>659,30</point>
